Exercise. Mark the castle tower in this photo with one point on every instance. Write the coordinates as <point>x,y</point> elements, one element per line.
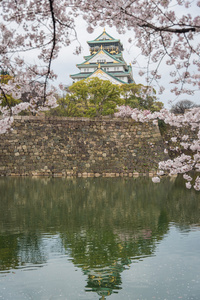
<point>105,61</point>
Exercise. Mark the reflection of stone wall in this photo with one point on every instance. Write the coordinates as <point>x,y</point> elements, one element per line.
<point>80,146</point>
<point>101,222</point>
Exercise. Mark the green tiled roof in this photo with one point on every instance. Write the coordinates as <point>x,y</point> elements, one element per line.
<point>105,41</point>
<point>86,75</point>
<point>86,57</point>
<point>113,76</point>
<point>112,56</point>
<point>104,32</point>
<point>115,56</point>
<point>102,64</point>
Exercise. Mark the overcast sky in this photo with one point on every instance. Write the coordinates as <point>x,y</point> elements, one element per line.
<point>66,62</point>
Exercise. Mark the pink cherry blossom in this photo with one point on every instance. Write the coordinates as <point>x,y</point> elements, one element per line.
<point>182,164</point>
<point>156,179</point>
<point>174,139</point>
<point>188,185</point>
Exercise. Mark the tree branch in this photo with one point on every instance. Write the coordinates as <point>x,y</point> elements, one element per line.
<point>53,46</point>
<point>168,29</point>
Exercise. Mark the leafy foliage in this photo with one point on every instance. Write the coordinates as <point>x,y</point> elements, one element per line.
<point>89,98</point>
<point>141,97</point>
<point>95,97</point>
<point>5,99</point>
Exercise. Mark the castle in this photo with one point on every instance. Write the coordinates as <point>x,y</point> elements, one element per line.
<point>105,61</point>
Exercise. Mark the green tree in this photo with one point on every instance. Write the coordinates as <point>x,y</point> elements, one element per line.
<point>7,100</point>
<point>140,96</point>
<point>89,98</point>
<point>103,96</point>
<point>68,106</point>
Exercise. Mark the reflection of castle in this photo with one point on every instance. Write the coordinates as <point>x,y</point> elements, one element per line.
<point>105,61</point>
<point>104,225</point>
<point>106,280</point>
<point>104,254</point>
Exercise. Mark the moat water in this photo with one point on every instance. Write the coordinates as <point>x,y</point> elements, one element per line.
<point>103,238</point>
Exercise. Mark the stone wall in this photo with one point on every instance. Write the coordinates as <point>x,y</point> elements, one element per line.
<point>178,132</point>
<point>80,147</point>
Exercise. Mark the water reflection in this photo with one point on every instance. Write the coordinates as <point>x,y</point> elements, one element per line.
<point>103,225</point>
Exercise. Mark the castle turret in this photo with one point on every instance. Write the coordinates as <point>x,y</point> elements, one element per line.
<point>105,61</point>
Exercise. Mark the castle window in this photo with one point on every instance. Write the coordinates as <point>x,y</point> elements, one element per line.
<point>101,60</point>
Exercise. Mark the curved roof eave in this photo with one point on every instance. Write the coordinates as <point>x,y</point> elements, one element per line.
<point>111,76</point>
<point>114,58</point>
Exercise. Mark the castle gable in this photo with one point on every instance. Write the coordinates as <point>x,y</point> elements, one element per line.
<point>101,74</point>
<point>104,36</point>
<point>102,57</point>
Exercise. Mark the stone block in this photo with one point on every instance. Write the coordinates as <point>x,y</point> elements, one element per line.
<point>136,174</point>
<point>97,174</point>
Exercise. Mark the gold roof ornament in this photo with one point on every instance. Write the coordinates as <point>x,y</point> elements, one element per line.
<point>100,49</point>
<point>101,52</point>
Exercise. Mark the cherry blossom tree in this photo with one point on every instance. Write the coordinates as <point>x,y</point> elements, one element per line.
<point>187,164</point>
<point>43,26</point>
